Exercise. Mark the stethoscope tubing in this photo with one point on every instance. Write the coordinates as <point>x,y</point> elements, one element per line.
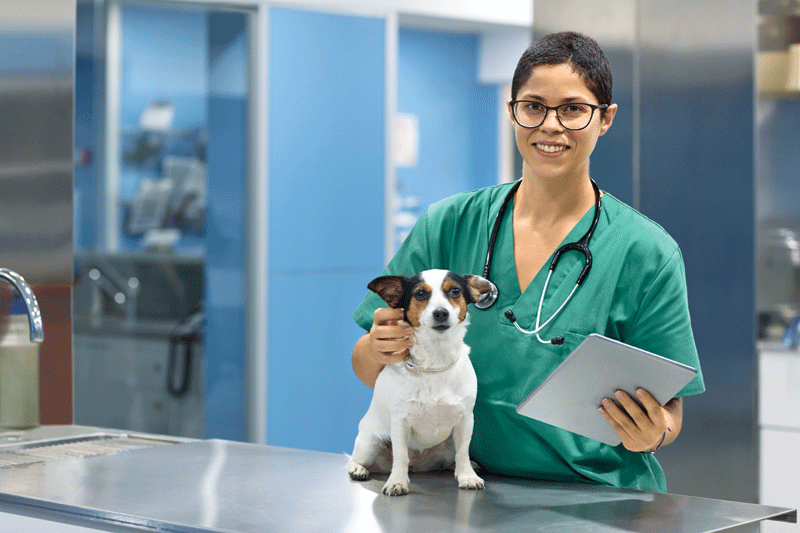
<point>496,228</point>
<point>582,245</point>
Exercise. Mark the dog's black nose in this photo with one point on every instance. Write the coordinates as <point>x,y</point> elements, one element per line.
<point>440,315</point>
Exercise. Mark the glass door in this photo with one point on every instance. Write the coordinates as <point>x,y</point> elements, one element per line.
<point>162,111</point>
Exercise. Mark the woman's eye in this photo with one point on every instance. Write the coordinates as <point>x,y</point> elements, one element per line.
<point>421,295</point>
<point>575,109</point>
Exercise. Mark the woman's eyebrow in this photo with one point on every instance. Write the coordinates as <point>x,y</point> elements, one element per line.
<point>566,100</point>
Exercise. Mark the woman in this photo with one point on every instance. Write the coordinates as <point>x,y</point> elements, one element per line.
<point>635,292</point>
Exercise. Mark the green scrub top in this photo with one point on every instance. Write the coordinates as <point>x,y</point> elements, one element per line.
<point>635,292</point>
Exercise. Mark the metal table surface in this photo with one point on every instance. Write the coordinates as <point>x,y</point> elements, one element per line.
<point>216,485</point>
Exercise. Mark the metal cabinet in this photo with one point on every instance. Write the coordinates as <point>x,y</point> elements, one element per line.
<point>124,382</point>
<point>779,430</point>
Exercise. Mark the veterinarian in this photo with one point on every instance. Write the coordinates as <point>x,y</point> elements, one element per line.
<point>635,291</point>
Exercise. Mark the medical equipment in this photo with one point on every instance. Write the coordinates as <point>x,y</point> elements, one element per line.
<point>582,245</point>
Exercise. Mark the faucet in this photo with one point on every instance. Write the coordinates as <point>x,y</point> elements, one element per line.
<point>123,291</point>
<point>28,298</point>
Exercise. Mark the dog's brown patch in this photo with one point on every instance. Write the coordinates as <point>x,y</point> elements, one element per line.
<point>416,307</point>
<point>460,302</point>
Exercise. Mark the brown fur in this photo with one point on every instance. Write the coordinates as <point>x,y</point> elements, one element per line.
<point>477,287</point>
<point>390,288</point>
<point>461,302</point>
<point>415,307</point>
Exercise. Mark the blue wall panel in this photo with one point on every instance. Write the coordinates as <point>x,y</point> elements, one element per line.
<point>326,225</point>
<point>697,171</point>
<point>612,161</point>
<point>437,77</point>
<point>326,134</point>
<point>315,399</point>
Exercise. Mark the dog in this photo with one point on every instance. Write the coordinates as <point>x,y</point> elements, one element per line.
<point>423,404</point>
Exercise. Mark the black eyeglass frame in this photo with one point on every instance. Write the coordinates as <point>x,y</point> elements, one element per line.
<point>547,109</point>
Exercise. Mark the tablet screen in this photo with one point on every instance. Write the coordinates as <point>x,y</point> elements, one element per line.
<point>570,396</point>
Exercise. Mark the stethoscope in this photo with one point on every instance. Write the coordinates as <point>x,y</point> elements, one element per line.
<point>582,245</point>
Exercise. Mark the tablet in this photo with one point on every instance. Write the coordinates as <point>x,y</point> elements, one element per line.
<point>570,396</point>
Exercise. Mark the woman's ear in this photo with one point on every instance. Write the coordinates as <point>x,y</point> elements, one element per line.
<point>608,118</point>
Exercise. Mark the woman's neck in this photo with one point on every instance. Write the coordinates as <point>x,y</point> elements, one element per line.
<point>547,203</point>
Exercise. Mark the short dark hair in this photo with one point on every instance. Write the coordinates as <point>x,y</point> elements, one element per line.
<point>575,49</point>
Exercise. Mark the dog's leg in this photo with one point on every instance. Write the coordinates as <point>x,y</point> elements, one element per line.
<point>465,474</point>
<point>365,450</point>
<point>398,481</point>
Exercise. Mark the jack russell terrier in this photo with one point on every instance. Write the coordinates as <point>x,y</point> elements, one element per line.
<point>420,403</point>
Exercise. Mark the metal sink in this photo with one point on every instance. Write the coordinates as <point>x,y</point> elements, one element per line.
<point>13,438</point>
<point>46,443</point>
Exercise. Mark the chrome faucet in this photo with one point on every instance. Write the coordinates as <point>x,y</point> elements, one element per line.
<point>28,298</point>
<point>122,291</point>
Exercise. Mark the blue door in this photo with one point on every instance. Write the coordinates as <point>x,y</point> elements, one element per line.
<point>326,218</point>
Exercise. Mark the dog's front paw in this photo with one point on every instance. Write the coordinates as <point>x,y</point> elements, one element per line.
<point>470,482</point>
<point>357,472</point>
<point>396,486</point>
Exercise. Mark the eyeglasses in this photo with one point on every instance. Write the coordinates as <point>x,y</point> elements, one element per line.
<point>573,116</point>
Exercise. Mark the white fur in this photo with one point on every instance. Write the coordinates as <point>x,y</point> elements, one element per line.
<point>428,413</point>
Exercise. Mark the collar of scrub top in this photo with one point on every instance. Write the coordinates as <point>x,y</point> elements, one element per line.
<point>581,245</point>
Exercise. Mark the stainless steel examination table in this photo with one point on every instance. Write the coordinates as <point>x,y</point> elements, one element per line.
<point>92,479</point>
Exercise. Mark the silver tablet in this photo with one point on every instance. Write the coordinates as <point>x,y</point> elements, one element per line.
<point>570,396</point>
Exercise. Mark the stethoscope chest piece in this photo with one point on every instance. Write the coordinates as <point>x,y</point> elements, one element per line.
<point>489,298</point>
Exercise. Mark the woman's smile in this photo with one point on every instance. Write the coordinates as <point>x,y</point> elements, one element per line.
<point>550,149</point>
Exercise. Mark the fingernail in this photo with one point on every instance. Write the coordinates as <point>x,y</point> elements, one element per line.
<point>408,332</point>
<point>619,394</point>
<point>409,343</point>
<point>640,393</point>
<point>607,402</point>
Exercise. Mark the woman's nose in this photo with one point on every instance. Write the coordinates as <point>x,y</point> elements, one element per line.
<point>551,122</point>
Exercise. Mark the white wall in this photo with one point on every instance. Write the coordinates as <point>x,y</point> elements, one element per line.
<point>500,52</point>
<point>500,12</point>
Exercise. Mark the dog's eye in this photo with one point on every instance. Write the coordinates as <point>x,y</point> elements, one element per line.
<point>421,295</point>
<point>455,292</point>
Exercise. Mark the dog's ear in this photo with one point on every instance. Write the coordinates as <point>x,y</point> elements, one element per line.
<point>390,288</point>
<point>477,287</point>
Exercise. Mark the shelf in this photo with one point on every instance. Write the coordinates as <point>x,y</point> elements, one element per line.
<point>777,73</point>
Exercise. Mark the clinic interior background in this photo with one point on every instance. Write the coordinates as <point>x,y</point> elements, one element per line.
<point>327,200</point>
<point>371,111</point>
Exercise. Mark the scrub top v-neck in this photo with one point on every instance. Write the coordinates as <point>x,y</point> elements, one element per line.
<point>562,281</point>
<point>635,293</point>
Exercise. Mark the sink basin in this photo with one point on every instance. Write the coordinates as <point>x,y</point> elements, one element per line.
<point>44,435</point>
<point>45,443</point>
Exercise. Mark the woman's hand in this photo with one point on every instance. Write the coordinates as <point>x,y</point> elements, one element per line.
<point>643,429</point>
<point>390,337</point>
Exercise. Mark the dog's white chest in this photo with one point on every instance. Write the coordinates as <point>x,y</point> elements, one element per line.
<point>432,422</point>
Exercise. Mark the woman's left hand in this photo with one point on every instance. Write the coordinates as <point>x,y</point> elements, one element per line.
<point>641,430</point>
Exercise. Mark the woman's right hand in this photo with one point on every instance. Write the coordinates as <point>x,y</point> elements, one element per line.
<point>390,336</point>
